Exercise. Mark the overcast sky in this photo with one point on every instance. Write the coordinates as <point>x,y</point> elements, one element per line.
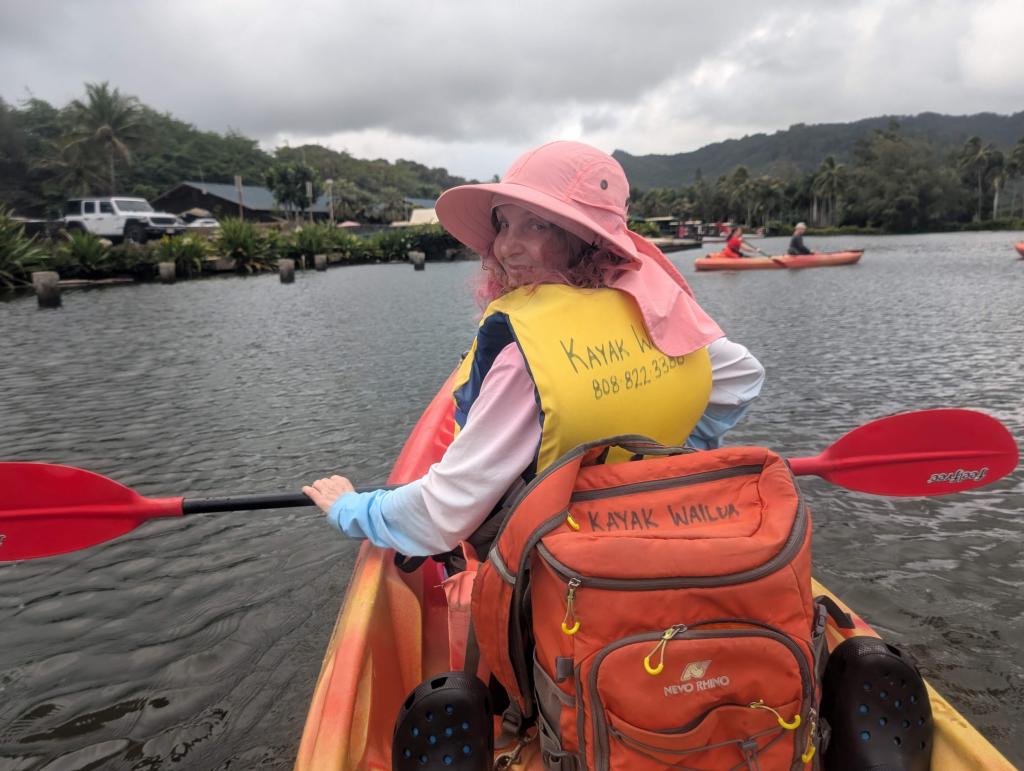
<point>468,84</point>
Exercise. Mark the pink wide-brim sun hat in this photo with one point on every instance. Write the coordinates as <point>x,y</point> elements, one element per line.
<point>584,191</point>
<point>573,185</point>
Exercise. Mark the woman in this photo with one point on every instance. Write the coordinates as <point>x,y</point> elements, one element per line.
<point>735,243</point>
<point>588,332</point>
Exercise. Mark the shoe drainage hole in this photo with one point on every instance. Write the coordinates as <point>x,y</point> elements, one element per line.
<point>865,736</point>
<point>923,745</point>
<point>431,739</point>
<point>863,709</point>
<point>905,723</point>
<point>913,698</point>
<point>883,721</point>
<point>449,732</point>
<point>897,741</point>
<point>415,731</point>
<point>449,709</point>
<point>448,760</point>
<point>883,695</point>
<point>466,749</point>
<point>429,716</point>
<point>423,760</point>
<point>920,721</point>
<point>465,725</point>
<point>867,686</point>
<point>897,703</point>
<point>406,753</point>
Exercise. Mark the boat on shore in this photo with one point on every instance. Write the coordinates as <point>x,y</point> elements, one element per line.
<point>1020,249</point>
<point>715,261</point>
<point>392,632</point>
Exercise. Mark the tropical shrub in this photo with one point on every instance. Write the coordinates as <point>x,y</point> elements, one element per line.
<point>18,253</point>
<point>310,240</point>
<point>432,240</point>
<point>392,244</point>
<point>646,229</point>
<point>251,250</point>
<point>186,252</point>
<point>83,255</point>
<point>135,259</point>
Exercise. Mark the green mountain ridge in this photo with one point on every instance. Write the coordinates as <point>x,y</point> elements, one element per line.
<point>800,148</point>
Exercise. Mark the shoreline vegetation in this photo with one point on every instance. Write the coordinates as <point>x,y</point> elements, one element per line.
<point>110,143</point>
<point>236,246</point>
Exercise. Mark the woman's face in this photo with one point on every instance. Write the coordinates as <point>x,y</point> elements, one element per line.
<point>527,247</point>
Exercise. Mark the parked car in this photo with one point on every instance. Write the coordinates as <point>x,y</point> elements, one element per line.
<point>204,222</point>
<point>120,218</point>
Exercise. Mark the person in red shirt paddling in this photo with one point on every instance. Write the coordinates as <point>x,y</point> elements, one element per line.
<point>734,245</point>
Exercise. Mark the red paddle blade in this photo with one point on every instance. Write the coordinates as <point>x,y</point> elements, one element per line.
<point>47,509</point>
<point>929,452</point>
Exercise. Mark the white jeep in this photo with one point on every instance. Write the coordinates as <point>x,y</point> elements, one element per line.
<point>119,217</point>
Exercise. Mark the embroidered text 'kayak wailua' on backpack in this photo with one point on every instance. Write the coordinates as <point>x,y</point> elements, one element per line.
<point>658,613</point>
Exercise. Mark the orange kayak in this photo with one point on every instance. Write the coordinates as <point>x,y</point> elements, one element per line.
<point>716,261</point>
<point>1020,249</point>
<point>392,633</point>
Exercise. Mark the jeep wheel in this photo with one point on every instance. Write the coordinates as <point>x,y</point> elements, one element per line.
<point>135,233</point>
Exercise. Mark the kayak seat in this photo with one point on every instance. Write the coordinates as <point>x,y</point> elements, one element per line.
<point>876,704</point>
<point>445,723</point>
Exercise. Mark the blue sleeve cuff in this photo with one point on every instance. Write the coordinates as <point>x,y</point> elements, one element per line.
<point>352,513</point>
<point>713,425</point>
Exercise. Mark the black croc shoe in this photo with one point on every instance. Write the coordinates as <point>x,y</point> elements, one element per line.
<point>876,704</point>
<point>445,723</point>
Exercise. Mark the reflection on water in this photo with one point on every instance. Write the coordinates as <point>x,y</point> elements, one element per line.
<point>195,643</point>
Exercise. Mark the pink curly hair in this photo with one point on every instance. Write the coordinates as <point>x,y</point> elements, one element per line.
<point>590,267</point>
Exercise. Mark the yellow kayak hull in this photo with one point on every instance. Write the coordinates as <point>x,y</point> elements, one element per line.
<point>392,632</point>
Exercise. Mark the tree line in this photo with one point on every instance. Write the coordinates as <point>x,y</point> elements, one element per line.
<point>893,183</point>
<point>109,143</point>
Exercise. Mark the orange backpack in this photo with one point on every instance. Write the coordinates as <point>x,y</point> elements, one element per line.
<point>657,613</point>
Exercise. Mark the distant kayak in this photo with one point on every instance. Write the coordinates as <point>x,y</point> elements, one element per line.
<point>716,261</point>
<point>1020,249</point>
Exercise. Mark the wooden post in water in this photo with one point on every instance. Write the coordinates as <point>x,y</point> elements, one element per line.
<point>287,270</point>
<point>47,286</point>
<point>320,261</point>
<point>167,272</point>
<point>418,260</point>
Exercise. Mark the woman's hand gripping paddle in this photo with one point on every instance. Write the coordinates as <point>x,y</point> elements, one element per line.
<point>48,509</point>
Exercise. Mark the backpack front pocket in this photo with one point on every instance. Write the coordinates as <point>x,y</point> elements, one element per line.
<point>717,696</point>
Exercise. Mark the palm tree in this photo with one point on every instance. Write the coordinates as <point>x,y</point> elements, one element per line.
<point>829,184</point>
<point>975,160</point>
<point>1015,167</point>
<point>75,170</point>
<point>109,121</point>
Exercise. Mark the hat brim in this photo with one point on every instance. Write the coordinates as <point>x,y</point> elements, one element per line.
<point>465,212</point>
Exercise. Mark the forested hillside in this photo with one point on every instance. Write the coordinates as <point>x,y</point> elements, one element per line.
<point>800,148</point>
<point>109,142</point>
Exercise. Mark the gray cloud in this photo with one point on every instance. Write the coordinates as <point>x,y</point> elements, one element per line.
<point>450,79</point>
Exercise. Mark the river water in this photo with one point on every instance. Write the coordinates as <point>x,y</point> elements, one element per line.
<point>195,643</point>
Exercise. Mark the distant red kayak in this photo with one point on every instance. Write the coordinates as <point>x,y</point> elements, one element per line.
<point>1020,249</point>
<point>715,261</point>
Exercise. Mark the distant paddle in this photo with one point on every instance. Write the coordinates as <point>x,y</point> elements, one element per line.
<point>47,509</point>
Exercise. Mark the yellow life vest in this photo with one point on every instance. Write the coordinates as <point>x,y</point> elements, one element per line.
<point>596,372</point>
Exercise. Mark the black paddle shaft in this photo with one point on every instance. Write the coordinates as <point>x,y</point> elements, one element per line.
<point>255,502</point>
<point>244,503</point>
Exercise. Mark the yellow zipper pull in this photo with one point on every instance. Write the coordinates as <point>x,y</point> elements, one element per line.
<point>569,613</point>
<point>790,726</point>
<point>660,649</point>
<point>572,523</point>
<point>809,752</point>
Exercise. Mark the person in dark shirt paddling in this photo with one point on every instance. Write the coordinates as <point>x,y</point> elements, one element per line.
<point>796,243</point>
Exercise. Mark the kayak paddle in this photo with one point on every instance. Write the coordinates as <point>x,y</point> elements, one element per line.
<point>47,509</point>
